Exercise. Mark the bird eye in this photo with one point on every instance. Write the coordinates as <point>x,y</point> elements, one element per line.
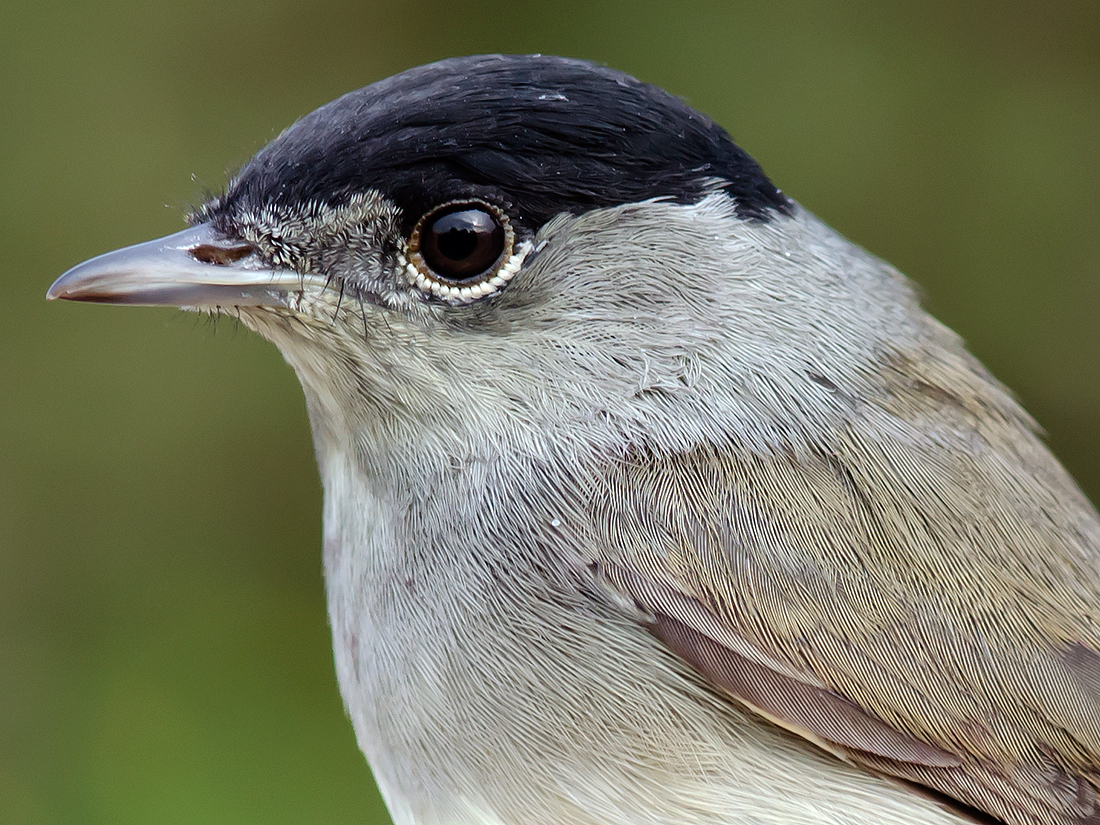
<point>462,251</point>
<point>461,241</point>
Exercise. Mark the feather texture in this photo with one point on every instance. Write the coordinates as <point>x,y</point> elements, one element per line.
<point>924,611</point>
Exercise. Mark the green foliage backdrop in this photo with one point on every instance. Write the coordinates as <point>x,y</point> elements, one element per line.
<point>164,656</point>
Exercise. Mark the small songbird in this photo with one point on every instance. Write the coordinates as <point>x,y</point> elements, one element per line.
<point>649,499</point>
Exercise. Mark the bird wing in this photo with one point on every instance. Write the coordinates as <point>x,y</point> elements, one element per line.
<point>927,612</point>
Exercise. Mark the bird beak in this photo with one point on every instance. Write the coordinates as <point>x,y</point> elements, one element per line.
<point>193,268</point>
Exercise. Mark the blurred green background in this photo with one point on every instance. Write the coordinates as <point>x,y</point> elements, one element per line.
<point>164,655</point>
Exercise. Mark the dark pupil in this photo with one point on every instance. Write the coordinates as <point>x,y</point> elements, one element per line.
<point>463,244</point>
<point>457,243</point>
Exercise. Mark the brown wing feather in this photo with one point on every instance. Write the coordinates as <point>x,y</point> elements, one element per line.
<point>830,720</point>
<point>929,613</point>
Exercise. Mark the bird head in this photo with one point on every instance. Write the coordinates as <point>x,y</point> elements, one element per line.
<point>501,245</point>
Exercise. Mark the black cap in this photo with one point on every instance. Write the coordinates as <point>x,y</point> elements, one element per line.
<point>537,135</point>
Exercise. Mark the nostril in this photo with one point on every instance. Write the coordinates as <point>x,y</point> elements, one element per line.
<point>219,255</point>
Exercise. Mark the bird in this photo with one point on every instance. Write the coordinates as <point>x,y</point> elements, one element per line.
<point>648,497</point>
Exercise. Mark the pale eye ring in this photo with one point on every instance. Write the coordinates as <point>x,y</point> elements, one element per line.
<point>462,250</point>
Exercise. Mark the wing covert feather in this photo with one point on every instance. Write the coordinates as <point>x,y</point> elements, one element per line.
<point>886,605</point>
